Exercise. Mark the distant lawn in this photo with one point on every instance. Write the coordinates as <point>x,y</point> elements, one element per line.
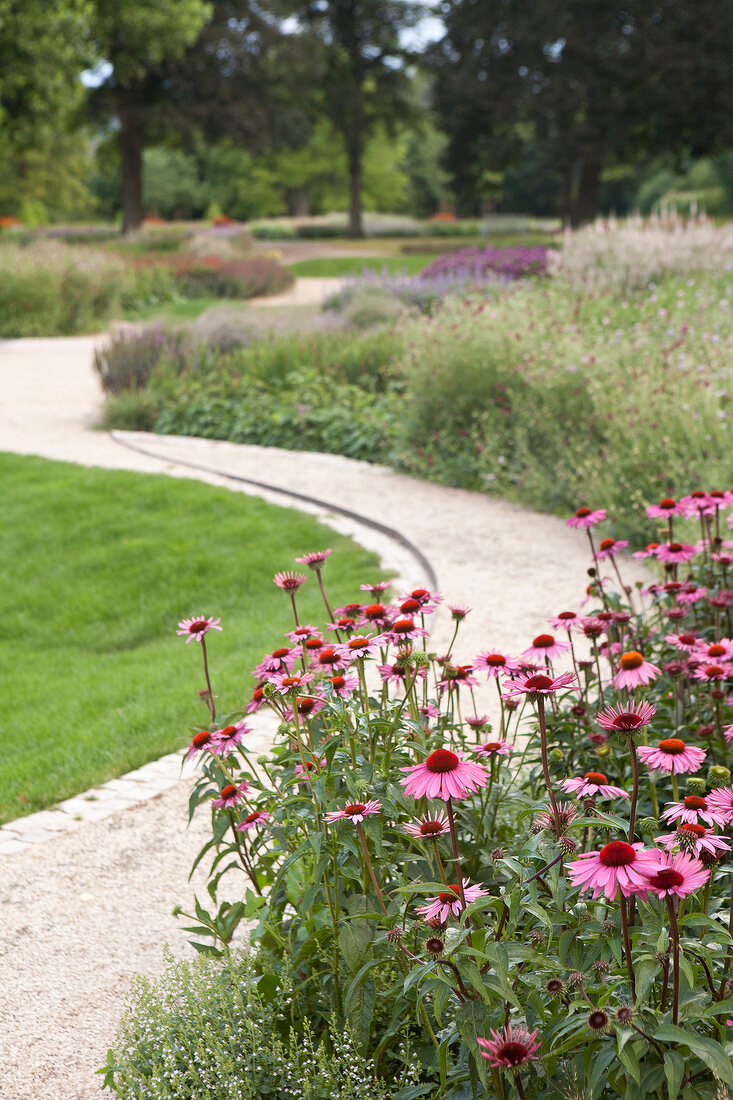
<point>99,566</point>
<point>355,265</point>
<point>187,310</point>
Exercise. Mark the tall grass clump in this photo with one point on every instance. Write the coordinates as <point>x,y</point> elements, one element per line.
<point>548,395</point>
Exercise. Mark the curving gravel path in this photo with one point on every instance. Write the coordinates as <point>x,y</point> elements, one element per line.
<point>84,911</point>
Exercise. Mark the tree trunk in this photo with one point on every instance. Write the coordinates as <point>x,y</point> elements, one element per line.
<point>566,197</point>
<point>356,228</point>
<point>585,206</point>
<point>131,150</point>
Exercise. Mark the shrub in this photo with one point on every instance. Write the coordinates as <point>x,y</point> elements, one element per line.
<point>128,359</point>
<point>219,1030</point>
<point>214,278</point>
<point>223,328</point>
<point>502,263</point>
<point>272,232</point>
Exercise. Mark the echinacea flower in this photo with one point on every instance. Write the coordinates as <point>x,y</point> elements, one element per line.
<point>591,784</point>
<point>545,647</point>
<point>459,612</point>
<point>231,795</point>
<point>616,865</point>
<point>444,774</point>
<point>279,660</point>
<point>586,517</point>
<point>403,629</point>
<point>343,686</point>
<point>330,658</point>
<point>310,765</point>
<point>307,705</point>
<point>695,808</point>
<point>540,684</point>
<point>429,827</point>
<point>608,547</point>
<point>376,588</point>
<point>226,738</point>
<point>720,801</point>
<point>197,628</point>
<point>493,748</point>
<point>694,837</point>
<point>710,673</point>
<point>314,560</point>
<point>672,755</point>
<point>634,671</point>
<point>675,552</point>
<point>289,582</point>
<point>455,676</point>
<point>626,719</point>
<point>680,874</point>
<point>566,620</point>
<point>495,664</point>
<point>200,742</point>
<point>509,1049</point>
<point>423,596</point>
<point>251,821</point>
<point>649,551</point>
<point>359,646</point>
<point>688,643</point>
<point>448,902</point>
<point>666,508</point>
<point>721,651</point>
<point>355,812</point>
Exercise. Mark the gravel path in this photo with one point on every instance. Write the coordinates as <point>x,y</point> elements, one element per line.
<point>84,912</point>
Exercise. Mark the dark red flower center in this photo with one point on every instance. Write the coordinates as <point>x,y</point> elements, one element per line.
<point>716,494</point>
<point>496,660</point>
<point>338,681</point>
<point>606,544</point>
<point>349,608</point>
<point>698,495</point>
<point>195,627</point>
<point>403,626</point>
<point>605,616</point>
<point>617,854</point>
<point>675,547</point>
<point>714,671</point>
<point>441,761</point>
<point>355,808</point>
<point>251,817</point>
<point>512,1052</point>
<point>280,653</point>
<point>672,586</point>
<point>306,704</point>
<point>567,615</point>
<point>672,746</point>
<point>696,830</point>
<point>430,828</point>
<point>345,623</point>
<point>705,731</point>
<point>446,898</point>
<point>667,503</point>
<point>201,739</point>
<point>716,650</point>
<point>312,644</point>
<point>630,660</point>
<point>492,746</point>
<point>595,777</point>
<point>627,721</point>
<point>695,802</point>
<point>328,655</point>
<point>227,731</point>
<point>582,513</point>
<point>538,682</point>
<point>419,593</point>
<point>543,641</point>
<point>289,681</point>
<point>374,611</point>
<point>257,694</point>
<point>687,639</point>
<point>652,546</point>
<point>667,878</point>
<point>228,791</point>
<point>358,643</point>
<point>410,606</point>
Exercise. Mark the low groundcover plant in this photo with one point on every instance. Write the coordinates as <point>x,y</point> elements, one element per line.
<point>536,903</point>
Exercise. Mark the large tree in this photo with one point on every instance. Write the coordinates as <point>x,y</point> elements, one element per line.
<point>363,81</point>
<point>593,83</point>
<point>133,37</point>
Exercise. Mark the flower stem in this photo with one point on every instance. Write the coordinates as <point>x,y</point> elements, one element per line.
<point>627,946</point>
<point>209,698</point>
<point>367,860</point>
<point>545,764</point>
<point>674,928</point>
<point>729,953</point>
<point>634,789</point>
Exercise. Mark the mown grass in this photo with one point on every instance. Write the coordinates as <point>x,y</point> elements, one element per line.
<point>186,310</point>
<point>357,265</point>
<point>99,567</point>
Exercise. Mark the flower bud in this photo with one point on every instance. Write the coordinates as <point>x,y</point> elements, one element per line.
<point>705,731</point>
<point>556,755</point>
<point>648,825</point>
<point>696,785</point>
<point>624,1014</point>
<point>579,710</point>
<point>536,937</point>
<point>577,979</point>
<point>603,750</point>
<point>601,968</point>
<point>497,854</point>
<point>719,775</point>
<point>567,845</point>
<point>394,935</point>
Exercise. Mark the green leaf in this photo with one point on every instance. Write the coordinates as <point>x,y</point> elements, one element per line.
<point>627,1055</point>
<point>710,1052</point>
<point>674,1070</point>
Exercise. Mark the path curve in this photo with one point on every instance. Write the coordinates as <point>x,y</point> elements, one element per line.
<point>84,912</point>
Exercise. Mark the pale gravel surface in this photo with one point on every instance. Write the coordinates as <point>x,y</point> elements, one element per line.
<point>88,910</point>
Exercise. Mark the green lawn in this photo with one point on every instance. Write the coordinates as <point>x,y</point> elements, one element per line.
<point>187,310</point>
<point>355,265</point>
<point>99,567</point>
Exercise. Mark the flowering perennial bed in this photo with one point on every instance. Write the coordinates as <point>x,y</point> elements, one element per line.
<point>533,906</point>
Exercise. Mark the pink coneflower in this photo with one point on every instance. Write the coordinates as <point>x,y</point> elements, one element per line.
<point>315,560</point>
<point>686,642</point>
<point>495,664</point>
<point>712,673</point>
<point>478,721</point>
<point>376,589</point>
<point>649,551</point>
<point>717,652</point>
<point>311,765</point>
<point>634,671</point>
<point>225,739</point>
<point>360,646</point>
<point>510,1048</point>
<point>586,517</point>
<point>343,686</point>
<point>444,774</point>
<point>330,658</point>
<point>307,705</point>
<point>197,628</point>
<point>231,795</point>
<point>403,629</point>
<point>200,742</point>
<point>566,620</point>
<point>626,719</point>
<point>289,582</point>
<point>675,553</point>
<point>691,594</point>
<point>672,755</point>
<point>493,748</point>
<point>459,612</point>
<point>697,503</point>
<point>666,508</point>
<point>300,633</point>
<point>540,684</point>
<point>591,784</point>
<point>566,815</point>
<point>290,681</point>
<point>423,596</point>
<point>251,821</point>
<point>720,802</point>
<point>618,864</point>
<point>680,874</point>
<point>545,647</point>
<point>376,614</point>
<point>258,699</point>
<point>455,676</point>
<point>693,809</point>
<point>701,839</point>
<point>429,827</point>
<point>448,903</point>
<point>429,710</point>
<point>608,547</point>
<point>280,660</point>
<point>355,812</point>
